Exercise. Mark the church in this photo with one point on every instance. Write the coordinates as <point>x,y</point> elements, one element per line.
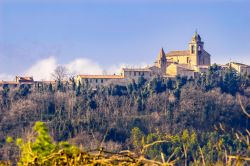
<point>184,63</point>
<point>187,63</point>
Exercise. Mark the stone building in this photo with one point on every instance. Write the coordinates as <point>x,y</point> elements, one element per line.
<point>24,80</point>
<point>181,70</point>
<point>19,80</point>
<point>194,56</point>
<point>99,80</point>
<point>11,84</point>
<point>135,73</point>
<point>184,63</point>
<point>240,68</point>
<point>161,63</point>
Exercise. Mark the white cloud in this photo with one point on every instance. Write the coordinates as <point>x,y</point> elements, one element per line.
<point>43,69</point>
<point>116,69</point>
<point>84,66</point>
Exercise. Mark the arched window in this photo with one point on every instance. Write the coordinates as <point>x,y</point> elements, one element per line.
<point>199,48</point>
<point>192,49</point>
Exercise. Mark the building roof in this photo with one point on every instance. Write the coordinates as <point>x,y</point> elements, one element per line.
<point>178,53</point>
<point>205,53</point>
<point>136,69</point>
<point>196,37</point>
<point>26,78</point>
<point>240,64</point>
<point>161,54</point>
<point>9,82</point>
<point>101,76</point>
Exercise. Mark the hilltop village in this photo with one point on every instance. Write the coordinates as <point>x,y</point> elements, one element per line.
<point>184,63</point>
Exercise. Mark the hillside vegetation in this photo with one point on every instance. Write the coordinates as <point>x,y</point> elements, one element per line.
<point>201,121</point>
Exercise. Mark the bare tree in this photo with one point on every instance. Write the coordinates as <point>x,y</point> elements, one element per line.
<point>60,73</point>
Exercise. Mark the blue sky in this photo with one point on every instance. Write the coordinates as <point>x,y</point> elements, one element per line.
<point>106,34</point>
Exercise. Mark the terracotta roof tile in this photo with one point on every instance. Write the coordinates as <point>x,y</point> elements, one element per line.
<point>137,69</point>
<point>9,82</point>
<point>178,53</point>
<point>161,54</point>
<point>102,76</point>
<point>25,78</point>
<point>240,64</point>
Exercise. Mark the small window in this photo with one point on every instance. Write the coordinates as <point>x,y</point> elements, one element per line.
<point>101,80</point>
<point>139,73</point>
<point>192,49</point>
<point>96,80</point>
<point>187,60</point>
<point>134,73</point>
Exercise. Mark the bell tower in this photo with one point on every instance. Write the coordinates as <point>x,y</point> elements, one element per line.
<point>195,49</point>
<point>162,61</point>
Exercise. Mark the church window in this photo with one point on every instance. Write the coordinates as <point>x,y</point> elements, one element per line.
<point>187,60</point>
<point>192,49</point>
<point>101,80</point>
<point>96,80</point>
<point>139,73</point>
<point>134,73</point>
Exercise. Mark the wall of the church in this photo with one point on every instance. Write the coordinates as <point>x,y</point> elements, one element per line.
<point>204,59</point>
<point>189,59</point>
